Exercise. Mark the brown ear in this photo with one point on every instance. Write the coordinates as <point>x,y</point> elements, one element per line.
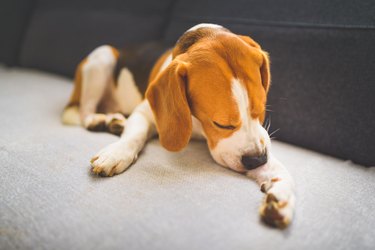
<point>265,67</point>
<point>167,97</point>
<point>249,41</point>
<point>265,71</point>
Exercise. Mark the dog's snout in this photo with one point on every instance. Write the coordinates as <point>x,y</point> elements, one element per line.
<point>251,162</point>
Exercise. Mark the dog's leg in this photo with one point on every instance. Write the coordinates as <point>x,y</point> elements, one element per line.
<point>96,78</point>
<point>279,202</point>
<point>117,157</point>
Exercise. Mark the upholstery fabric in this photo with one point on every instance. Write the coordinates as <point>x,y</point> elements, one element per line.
<point>61,33</point>
<point>49,199</point>
<point>14,18</point>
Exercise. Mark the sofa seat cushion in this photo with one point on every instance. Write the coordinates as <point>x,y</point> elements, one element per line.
<point>61,33</point>
<point>166,200</point>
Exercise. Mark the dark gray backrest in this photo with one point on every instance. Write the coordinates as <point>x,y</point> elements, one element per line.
<point>14,18</point>
<point>61,33</point>
<point>323,66</point>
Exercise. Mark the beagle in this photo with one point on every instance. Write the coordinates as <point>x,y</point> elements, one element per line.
<point>212,85</point>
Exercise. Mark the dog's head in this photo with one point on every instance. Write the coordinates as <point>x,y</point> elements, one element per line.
<point>222,79</point>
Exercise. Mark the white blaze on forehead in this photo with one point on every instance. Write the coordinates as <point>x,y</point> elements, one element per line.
<point>205,25</point>
<point>240,95</point>
<point>247,138</point>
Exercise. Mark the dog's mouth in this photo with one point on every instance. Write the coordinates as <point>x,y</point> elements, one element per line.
<point>239,163</point>
<point>232,163</point>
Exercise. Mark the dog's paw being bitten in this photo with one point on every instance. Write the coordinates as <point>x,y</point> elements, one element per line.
<point>278,205</point>
<point>113,159</point>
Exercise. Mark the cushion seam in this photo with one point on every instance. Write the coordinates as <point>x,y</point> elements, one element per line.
<point>282,24</point>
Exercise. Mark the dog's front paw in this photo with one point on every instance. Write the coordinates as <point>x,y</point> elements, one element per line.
<point>113,159</point>
<point>277,209</point>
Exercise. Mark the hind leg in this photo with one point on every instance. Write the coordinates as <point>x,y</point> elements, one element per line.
<point>96,80</point>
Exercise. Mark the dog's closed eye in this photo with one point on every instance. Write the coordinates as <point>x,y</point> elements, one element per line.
<point>228,127</point>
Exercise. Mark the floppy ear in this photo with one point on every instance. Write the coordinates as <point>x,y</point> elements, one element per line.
<point>265,67</point>
<point>167,97</point>
<point>265,71</point>
<point>249,41</point>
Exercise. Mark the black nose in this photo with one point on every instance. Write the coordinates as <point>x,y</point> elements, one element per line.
<point>251,162</point>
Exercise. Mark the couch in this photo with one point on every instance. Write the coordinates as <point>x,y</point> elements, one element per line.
<point>321,100</point>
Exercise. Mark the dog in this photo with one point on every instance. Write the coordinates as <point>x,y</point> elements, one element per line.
<point>211,85</point>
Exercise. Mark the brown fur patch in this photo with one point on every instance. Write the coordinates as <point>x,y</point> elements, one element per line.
<point>275,179</point>
<point>189,38</point>
<point>168,100</point>
<point>115,52</point>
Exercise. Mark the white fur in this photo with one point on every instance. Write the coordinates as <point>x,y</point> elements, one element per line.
<point>120,155</point>
<point>98,87</point>
<point>127,93</point>
<point>205,25</point>
<point>96,79</point>
<point>166,63</point>
<point>246,140</point>
<point>197,131</point>
<point>71,116</point>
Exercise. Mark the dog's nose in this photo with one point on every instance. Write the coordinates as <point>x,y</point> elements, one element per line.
<point>251,162</point>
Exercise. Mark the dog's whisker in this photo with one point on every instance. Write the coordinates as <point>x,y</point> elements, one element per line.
<point>274,132</point>
<point>269,124</point>
<point>265,124</point>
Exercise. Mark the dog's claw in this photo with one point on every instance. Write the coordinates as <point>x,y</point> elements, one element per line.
<point>94,159</point>
<point>112,172</point>
<point>97,170</point>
